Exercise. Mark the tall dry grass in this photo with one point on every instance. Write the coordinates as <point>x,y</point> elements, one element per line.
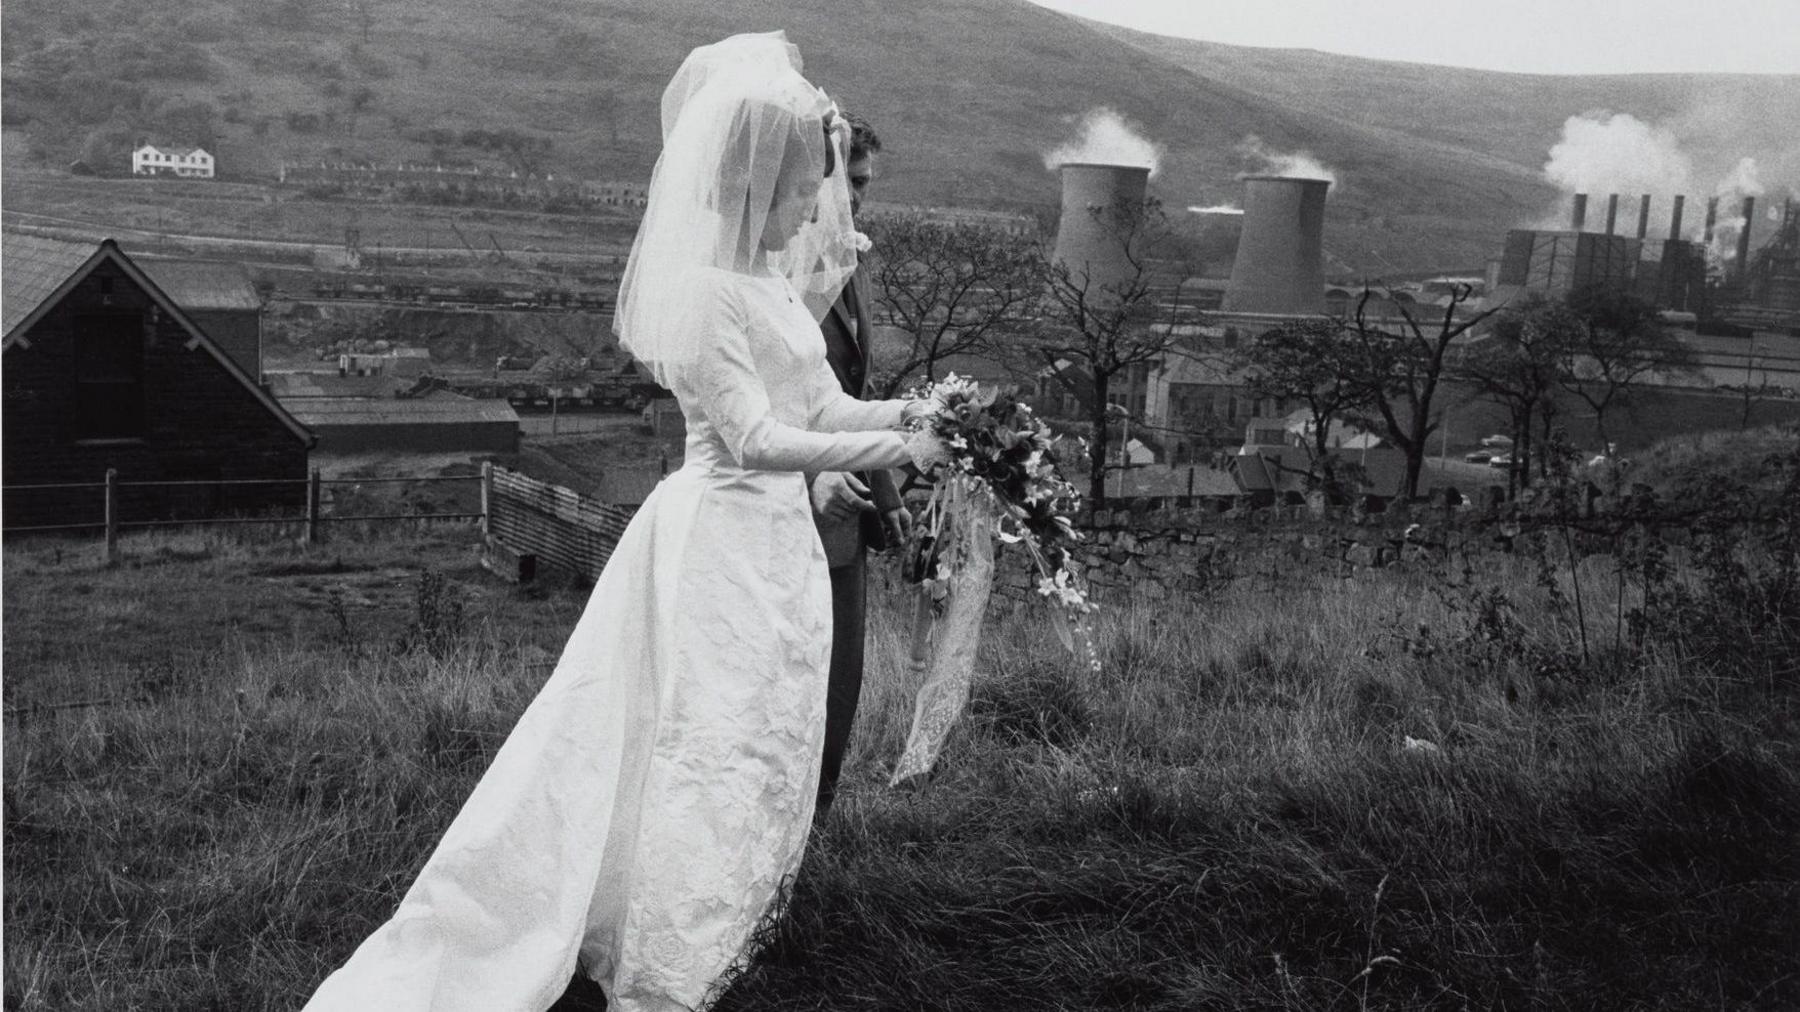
<point>1436,786</point>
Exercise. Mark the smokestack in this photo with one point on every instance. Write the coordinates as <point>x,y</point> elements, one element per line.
<point>1087,239</point>
<point>1612,212</point>
<point>1580,217</point>
<point>1675,220</point>
<point>1643,217</point>
<point>1279,265</point>
<point>1712,218</point>
<point>1743,257</point>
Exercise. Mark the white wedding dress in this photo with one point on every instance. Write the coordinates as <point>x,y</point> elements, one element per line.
<point>655,797</point>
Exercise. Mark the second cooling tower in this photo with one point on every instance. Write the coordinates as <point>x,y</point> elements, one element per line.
<point>1278,267</point>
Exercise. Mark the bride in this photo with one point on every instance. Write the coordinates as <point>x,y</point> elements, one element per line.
<point>655,797</point>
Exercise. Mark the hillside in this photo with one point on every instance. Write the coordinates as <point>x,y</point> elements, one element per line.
<point>572,87</point>
<point>1507,120</point>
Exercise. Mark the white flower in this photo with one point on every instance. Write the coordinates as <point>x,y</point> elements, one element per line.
<point>855,240</point>
<point>1062,588</point>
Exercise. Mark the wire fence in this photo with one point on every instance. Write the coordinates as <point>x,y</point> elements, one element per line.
<point>310,518</point>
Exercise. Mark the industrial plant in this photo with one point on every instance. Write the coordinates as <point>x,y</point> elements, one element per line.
<point>1736,304</point>
<point>1725,294</point>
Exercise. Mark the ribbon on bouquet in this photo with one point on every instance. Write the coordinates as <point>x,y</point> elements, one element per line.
<point>946,623</point>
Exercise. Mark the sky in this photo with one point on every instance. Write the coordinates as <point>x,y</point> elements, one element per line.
<point>1522,36</point>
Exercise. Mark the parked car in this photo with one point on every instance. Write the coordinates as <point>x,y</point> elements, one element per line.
<point>1497,442</point>
<point>1501,460</point>
<point>1479,456</point>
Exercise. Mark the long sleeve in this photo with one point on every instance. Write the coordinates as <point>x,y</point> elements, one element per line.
<point>723,385</point>
<point>833,410</point>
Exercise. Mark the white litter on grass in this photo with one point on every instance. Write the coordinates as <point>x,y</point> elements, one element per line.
<point>1411,744</point>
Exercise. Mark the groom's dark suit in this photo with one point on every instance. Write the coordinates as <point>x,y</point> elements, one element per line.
<point>847,332</point>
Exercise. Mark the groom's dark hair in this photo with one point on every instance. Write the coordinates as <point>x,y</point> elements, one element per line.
<point>863,141</point>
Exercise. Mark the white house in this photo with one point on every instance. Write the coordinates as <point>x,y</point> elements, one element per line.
<point>150,160</point>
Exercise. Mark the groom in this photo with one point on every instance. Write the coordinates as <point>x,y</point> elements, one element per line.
<point>854,512</point>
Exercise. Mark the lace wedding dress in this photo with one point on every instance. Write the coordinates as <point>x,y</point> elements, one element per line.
<point>652,801</point>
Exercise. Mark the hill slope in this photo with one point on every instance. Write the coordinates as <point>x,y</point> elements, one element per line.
<point>968,96</point>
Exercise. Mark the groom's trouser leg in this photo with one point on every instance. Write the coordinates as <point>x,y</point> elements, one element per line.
<point>849,593</point>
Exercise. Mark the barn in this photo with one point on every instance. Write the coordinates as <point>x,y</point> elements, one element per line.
<point>437,421</point>
<point>220,298</point>
<point>103,369</point>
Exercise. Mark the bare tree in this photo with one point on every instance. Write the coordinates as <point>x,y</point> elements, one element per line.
<point>1401,367</point>
<point>1098,331</point>
<point>1517,364</point>
<point>950,287</point>
<point>1304,360</point>
<point>1618,341</point>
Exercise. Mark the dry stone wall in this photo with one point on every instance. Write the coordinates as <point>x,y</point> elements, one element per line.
<point>1163,548</point>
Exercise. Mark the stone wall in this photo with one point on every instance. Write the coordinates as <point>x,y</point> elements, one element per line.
<point>1185,547</point>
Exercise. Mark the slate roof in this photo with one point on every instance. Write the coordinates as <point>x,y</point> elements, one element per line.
<point>287,385</point>
<point>32,268</point>
<point>181,151</point>
<point>203,284</point>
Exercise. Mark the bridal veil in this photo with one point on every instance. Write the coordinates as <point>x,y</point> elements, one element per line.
<point>738,121</point>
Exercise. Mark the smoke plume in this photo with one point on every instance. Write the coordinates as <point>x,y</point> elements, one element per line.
<point>1297,165</point>
<point>1742,181</point>
<point>1107,138</point>
<point>1602,154</point>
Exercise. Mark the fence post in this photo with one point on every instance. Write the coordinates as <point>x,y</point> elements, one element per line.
<point>112,515</point>
<point>312,507</point>
<point>487,497</point>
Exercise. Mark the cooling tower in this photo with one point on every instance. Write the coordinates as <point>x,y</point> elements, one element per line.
<point>1278,267</point>
<point>1088,239</point>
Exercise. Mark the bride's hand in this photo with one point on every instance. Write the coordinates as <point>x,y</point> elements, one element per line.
<point>912,411</point>
<point>927,452</point>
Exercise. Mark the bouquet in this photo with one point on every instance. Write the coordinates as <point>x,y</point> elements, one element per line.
<point>994,473</point>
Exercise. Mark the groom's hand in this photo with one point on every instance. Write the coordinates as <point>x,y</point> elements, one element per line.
<point>898,523</point>
<point>838,495</point>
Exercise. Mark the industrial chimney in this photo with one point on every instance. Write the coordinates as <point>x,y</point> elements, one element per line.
<point>1580,216</point>
<point>1088,239</point>
<point>1743,250</point>
<point>1643,217</point>
<point>1675,219</point>
<point>1612,212</point>
<point>1712,218</point>
<point>1279,265</point>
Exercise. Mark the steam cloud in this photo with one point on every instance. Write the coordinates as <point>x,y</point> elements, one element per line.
<point>1618,154</point>
<point>1298,165</point>
<point>1107,138</point>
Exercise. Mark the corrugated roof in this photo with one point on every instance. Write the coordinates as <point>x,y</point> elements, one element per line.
<point>203,284</point>
<point>433,409</point>
<point>31,269</point>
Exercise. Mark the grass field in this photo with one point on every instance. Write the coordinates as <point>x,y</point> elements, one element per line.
<point>1510,781</point>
